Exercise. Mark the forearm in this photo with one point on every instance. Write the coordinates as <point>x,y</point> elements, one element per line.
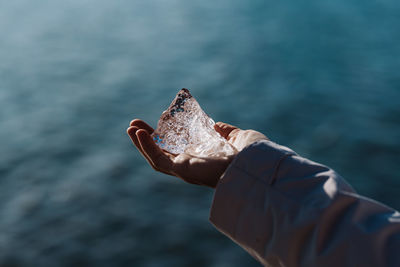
<point>287,210</point>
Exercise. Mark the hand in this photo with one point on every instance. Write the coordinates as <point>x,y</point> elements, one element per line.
<point>192,169</point>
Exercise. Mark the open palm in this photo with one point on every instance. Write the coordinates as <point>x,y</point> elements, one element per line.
<point>192,169</point>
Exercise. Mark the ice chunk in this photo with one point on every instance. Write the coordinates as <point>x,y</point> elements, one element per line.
<point>185,127</point>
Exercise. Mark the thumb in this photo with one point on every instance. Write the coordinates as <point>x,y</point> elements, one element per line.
<point>224,129</point>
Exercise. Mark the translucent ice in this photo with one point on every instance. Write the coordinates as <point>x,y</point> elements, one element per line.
<point>185,128</point>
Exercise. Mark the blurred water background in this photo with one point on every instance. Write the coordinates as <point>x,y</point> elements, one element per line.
<point>321,77</point>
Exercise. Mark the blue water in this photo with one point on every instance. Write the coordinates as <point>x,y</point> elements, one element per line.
<point>321,77</point>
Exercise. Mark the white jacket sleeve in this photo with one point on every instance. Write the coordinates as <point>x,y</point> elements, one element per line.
<point>286,210</point>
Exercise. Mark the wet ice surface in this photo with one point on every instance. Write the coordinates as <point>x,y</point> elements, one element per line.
<point>185,128</point>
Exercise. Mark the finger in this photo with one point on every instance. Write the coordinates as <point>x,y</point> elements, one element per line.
<point>132,134</point>
<point>131,131</point>
<point>224,129</point>
<point>142,125</point>
<point>156,157</point>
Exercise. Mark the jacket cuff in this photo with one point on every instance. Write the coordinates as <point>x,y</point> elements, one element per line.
<point>248,177</point>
